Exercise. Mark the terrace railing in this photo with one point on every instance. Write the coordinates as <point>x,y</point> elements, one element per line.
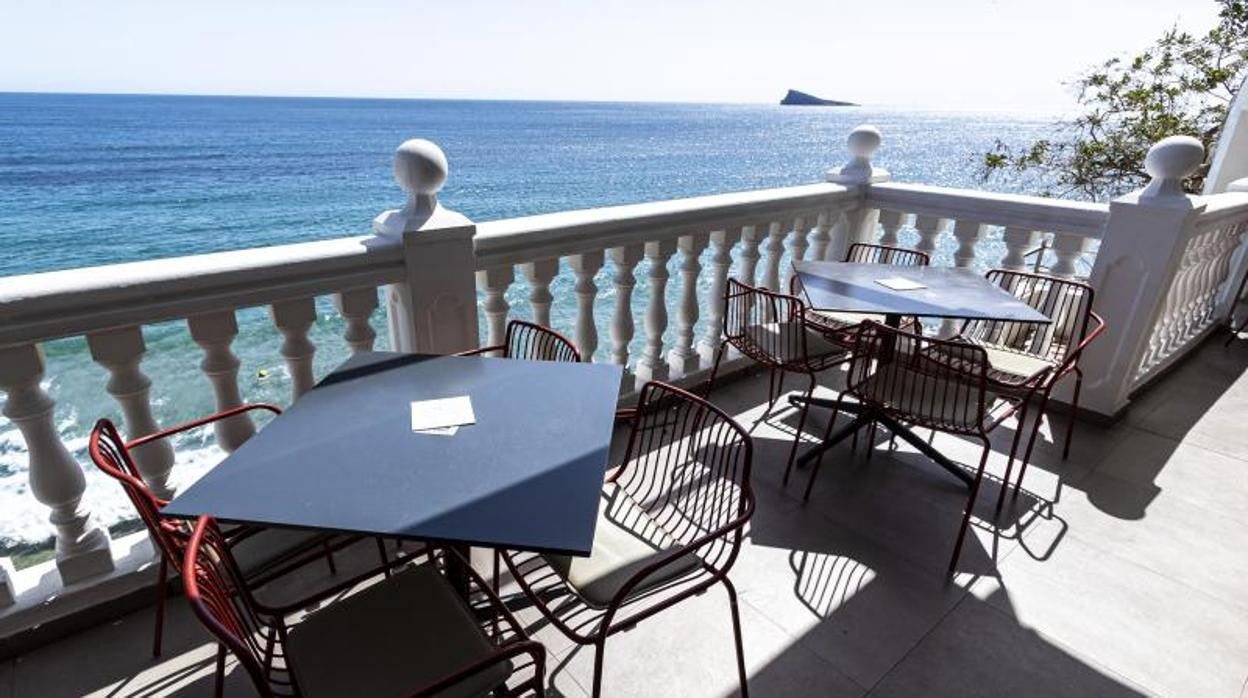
<point>1163,263</point>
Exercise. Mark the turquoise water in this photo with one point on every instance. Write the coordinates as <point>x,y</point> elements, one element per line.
<point>87,180</point>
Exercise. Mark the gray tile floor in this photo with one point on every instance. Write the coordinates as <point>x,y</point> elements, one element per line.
<point>1118,572</point>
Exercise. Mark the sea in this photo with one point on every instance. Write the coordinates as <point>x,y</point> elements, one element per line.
<point>87,180</point>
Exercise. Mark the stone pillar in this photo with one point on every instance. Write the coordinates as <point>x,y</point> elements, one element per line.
<point>859,224</point>
<point>434,310</point>
<point>1142,246</point>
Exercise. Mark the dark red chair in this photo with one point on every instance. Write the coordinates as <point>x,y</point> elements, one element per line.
<point>933,383</point>
<point>409,634</point>
<point>1028,360</point>
<point>531,342</point>
<point>774,329</point>
<point>669,526</point>
<point>264,554</point>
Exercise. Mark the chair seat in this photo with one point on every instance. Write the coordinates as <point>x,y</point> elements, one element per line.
<point>781,342</point>
<point>269,547</point>
<point>1007,366</point>
<point>626,539</point>
<point>392,639</point>
<point>918,397</point>
<point>837,320</point>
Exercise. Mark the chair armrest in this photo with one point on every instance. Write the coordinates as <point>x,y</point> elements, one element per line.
<point>675,554</point>
<point>1072,359</point>
<point>481,350</point>
<point>195,424</point>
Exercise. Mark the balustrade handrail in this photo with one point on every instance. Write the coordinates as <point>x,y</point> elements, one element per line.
<point>524,239</point>
<point>70,302</point>
<point>1082,218</point>
<point>1226,208</point>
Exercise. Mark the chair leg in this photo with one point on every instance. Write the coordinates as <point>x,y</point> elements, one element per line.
<point>1074,413</point>
<point>162,591</point>
<point>736,636</point>
<point>801,424</point>
<point>219,690</point>
<point>600,649</point>
<point>970,508</point>
<point>710,382</point>
<point>385,559</point>
<point>1009,466</point>
<point>1031,444</point>
<point>871,439</point>
<point>329,558</point>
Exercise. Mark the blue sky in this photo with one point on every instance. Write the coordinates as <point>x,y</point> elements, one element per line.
<point>956,54</point>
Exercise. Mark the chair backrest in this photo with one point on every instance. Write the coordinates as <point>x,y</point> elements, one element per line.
<point>215,588</point>
<point>935,383</point>
<point>764,325</point>
<point>687,463</point>
<point>526,340</point>
<point>866,253</point>
<point>1067,302</point>
<point>109,453</point>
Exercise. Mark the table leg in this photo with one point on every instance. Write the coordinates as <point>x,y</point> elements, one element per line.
<point>455,572</point>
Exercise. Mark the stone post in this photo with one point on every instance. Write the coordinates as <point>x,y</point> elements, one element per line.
<point>1142,247</point>
<point>858,224</point>
<point>434,310</point>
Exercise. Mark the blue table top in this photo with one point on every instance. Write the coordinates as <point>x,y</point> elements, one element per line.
<point>526,476</point>
<point>959,294</point>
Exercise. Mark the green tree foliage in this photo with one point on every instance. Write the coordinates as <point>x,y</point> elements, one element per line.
<point>1181,85</point>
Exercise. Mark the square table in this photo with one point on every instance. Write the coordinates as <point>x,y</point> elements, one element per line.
<point>948,293</point>
<point>526,476</point>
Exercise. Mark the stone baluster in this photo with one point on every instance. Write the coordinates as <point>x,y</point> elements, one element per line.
<point>890,224</point>
<point>357,306</point>
<point>214,332</point>
<point>747,270</point>
<point>8,588</point>
<point>56,479</point>
<point>1018,242</point>
<point>774,246</point>
<point>858,224</point>
<point>722,242</point>
<point>585,266</point>
<point>652,366</point>
<point>799,242</point>
<point>120,351</point>
<point>625,260</point>
<point>930,228</point>
<point>967,233</point>
<point>495,283</point>
<point>684,358</point>
<point>293,319</point>
<point>540,274</point>
<point>820,238</point>
<point>1068,249</point>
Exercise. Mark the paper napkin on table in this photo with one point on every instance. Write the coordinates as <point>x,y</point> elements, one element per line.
<point>899,284</point>
<point>443,416</point>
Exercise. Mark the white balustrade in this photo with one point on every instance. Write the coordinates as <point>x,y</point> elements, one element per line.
<point>214,332</point>
<point>747,269</point>
<point>495,281</point>
<point>624,260</point>
<point>684,358</point>
<point>584,267</point>
<point>293,319</point>
<point>652,366</point>
<point>1068,249</point>
<point>722,242</point>
<point>357,306</point>
<point>773,244</point>
<point>890,226</point>
<point>929,228</point>
<point>56,479</point>
<point>120,351</point>
<point>540,274</point>
<point>1018,242</point>
<point>799,243</point>
<point>820,238</point>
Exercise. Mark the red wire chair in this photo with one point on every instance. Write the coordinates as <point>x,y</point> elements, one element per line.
<point>938,384</point>
<point>840,324</point>
<point>669,526</point>
<point>774,329</point>
<point>409,634</point>
<point>1029,360</point>
<point>531,342</point>
<point>270,553</point>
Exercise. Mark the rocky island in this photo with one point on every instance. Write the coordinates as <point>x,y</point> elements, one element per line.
<point>802,99</point>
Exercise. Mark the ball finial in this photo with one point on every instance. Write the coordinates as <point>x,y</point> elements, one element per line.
<point>1168,162</point>
<point>420,167</point>
<point>863,141</point>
